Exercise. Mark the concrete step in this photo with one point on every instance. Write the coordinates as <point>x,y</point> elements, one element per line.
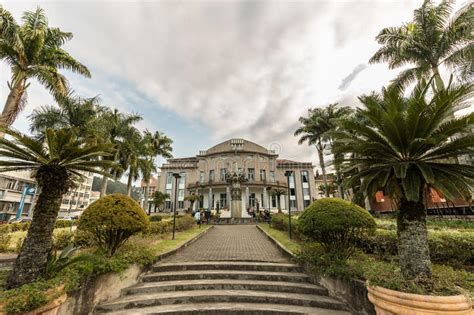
<point>221,296</point>
<point>229,308</point>
<point>236,221</point>
<point>224,284</point>
<point>227,265</point>
<point>225,274</point>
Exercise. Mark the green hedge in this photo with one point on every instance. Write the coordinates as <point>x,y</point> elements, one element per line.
<point>182,223</point>
<point>155,218</point>
<point>446,247</point>
<point>281,222</point>
<point>64,223</point>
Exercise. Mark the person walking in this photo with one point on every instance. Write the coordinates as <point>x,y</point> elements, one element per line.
<point>197,218</point>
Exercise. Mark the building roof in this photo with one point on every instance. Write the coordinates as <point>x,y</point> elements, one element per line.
<point>293,164</point>
<point>237,145</point>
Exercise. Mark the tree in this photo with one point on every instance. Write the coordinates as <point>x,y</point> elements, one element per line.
<point>80,113</point>
<point>116,126</point>
<point>56,164</point>
<point>192,199</point>
<point>317,129</point>
<point>33,51</point>
<point>155,144</point>
<point>159,198</point>
<point>410,147</point>
<point>433,38</point>
<point>278,192</point>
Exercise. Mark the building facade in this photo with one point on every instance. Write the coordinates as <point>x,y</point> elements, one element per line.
<point>206,175</point>
<point>152,187</point>
<point>16,188</point>
<point>76,200</point>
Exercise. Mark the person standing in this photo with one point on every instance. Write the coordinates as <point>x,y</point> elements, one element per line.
<point>197,218</point>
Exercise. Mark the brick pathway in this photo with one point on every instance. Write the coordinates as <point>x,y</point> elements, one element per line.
<point>231,242</point>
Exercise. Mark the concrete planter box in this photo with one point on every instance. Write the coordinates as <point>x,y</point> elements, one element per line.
<point>388,302</point>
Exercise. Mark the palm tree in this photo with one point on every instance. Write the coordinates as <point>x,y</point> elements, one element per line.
<point>82,114</point>
<point>410,147</point>
<point>312,130</point>
<point>131,149</point>
<point>56,164</point>
<point>159,198</point>
<point>116,127</point>
<point>278,192</point>
<point>33,51</point>
<point>192,199</point>
<point>155,144</point>
<point>435,37</point>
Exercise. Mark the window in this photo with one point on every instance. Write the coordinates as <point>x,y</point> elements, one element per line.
<point>223,201</point>
<point>223,174</point>
<point>263,175</point>
<point>201,177</point>
<point>169,178</point>
<point>180,204</point>
<point>274,201</point>
<point>293,203</point>
<point>201,201</point>
<point>252,200</point>
<point>306,203</point>
<point>304,177</point>
<point>306,192</point>
<point>251,174</point>
<point>272,176</point>
<point>211,176</point>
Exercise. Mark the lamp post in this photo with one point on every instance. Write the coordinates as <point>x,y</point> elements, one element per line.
<point>288,174</point>
<point>177,177</point>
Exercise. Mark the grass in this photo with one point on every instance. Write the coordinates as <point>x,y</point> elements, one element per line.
<point>432,224</point>
<point>282,237</point>
<point>166,244</point>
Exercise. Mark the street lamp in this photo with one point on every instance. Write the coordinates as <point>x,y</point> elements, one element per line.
<point>177,176</point>
<point>288,174</point>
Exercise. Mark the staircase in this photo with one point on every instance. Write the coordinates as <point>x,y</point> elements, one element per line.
<point>225,221</point>
<point>224,288</point>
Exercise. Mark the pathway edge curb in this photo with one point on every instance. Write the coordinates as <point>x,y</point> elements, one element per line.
<point>173,251</point>
<point>280,246</point>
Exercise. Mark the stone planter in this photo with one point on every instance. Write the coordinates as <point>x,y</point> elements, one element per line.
<point>388,302</point>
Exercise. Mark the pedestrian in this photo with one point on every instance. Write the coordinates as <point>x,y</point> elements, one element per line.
<point>208,215</point>
<point>197,218</point>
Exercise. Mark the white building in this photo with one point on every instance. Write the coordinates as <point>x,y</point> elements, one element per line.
<point>16,187</point>
<point>76,200</point>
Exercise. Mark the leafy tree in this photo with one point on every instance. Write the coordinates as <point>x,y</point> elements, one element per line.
<point>56,164</point>
<point>159,198</point>
<point>409,147</point>
<point>116,126</point>
<point>82,114</point>
<point>278,192</point>
<point>433,38</point>
<point>155,144</point>
<point>33,51</point>
<point>317,128</point>
<point>193,198</point>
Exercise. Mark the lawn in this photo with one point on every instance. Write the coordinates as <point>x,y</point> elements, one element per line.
<point>282,237</point>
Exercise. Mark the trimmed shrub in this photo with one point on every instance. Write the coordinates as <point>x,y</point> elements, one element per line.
<point>183,223</point>
<point>336,224</point>
<point>15,227</point>
<point>112,220</point>
<point>281,222</point>
<point>5,228</point>
<point>160,227</point>
<point>64,223</point>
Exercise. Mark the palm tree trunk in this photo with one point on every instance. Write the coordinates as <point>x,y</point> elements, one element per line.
<point>129,183</point>
<point>33,256</point>
<point>145,202</point>
<point>103,186</point>
<point>323,167</point>
<point>279,203</point>
<point>11,105</point>
<point>413,250</point>
<point>437,78</point>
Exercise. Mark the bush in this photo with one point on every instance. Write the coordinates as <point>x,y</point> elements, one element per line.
<point>446,247</point>
<point>19,244</point>
<point>64,223</point>
<point>62,238</point>
<point>182,223</point>
<point>281,222</point>
<point>83,239</point>
<point>15,227</point>
<point>160,227</point>
<point>4,241</point>
<point>112,220</point>
<point>336,224</point>
<point>156,218</point>
<point>5,228</point>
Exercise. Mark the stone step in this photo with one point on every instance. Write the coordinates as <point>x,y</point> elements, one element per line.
<point>226,265</point>
<point>224,284</point>
<point>221,296</point>
<point>225,274</point>
<point>229,308</point>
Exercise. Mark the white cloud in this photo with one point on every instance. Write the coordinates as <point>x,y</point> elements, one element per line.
<point>244,69</point>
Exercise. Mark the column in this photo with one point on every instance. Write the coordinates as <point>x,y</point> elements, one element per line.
<point>210,204</point>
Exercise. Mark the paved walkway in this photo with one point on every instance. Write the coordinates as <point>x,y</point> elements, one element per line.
<point>231,242</point>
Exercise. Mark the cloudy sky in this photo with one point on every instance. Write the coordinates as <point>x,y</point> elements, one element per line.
<point>205,71</point>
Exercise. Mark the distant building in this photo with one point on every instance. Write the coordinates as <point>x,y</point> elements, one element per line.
<point>15,186</point>
<point>319,183</point>
<point>95,195</point>
<point>205,175</point>
<point>152,187</point>
<point>76,200</point>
